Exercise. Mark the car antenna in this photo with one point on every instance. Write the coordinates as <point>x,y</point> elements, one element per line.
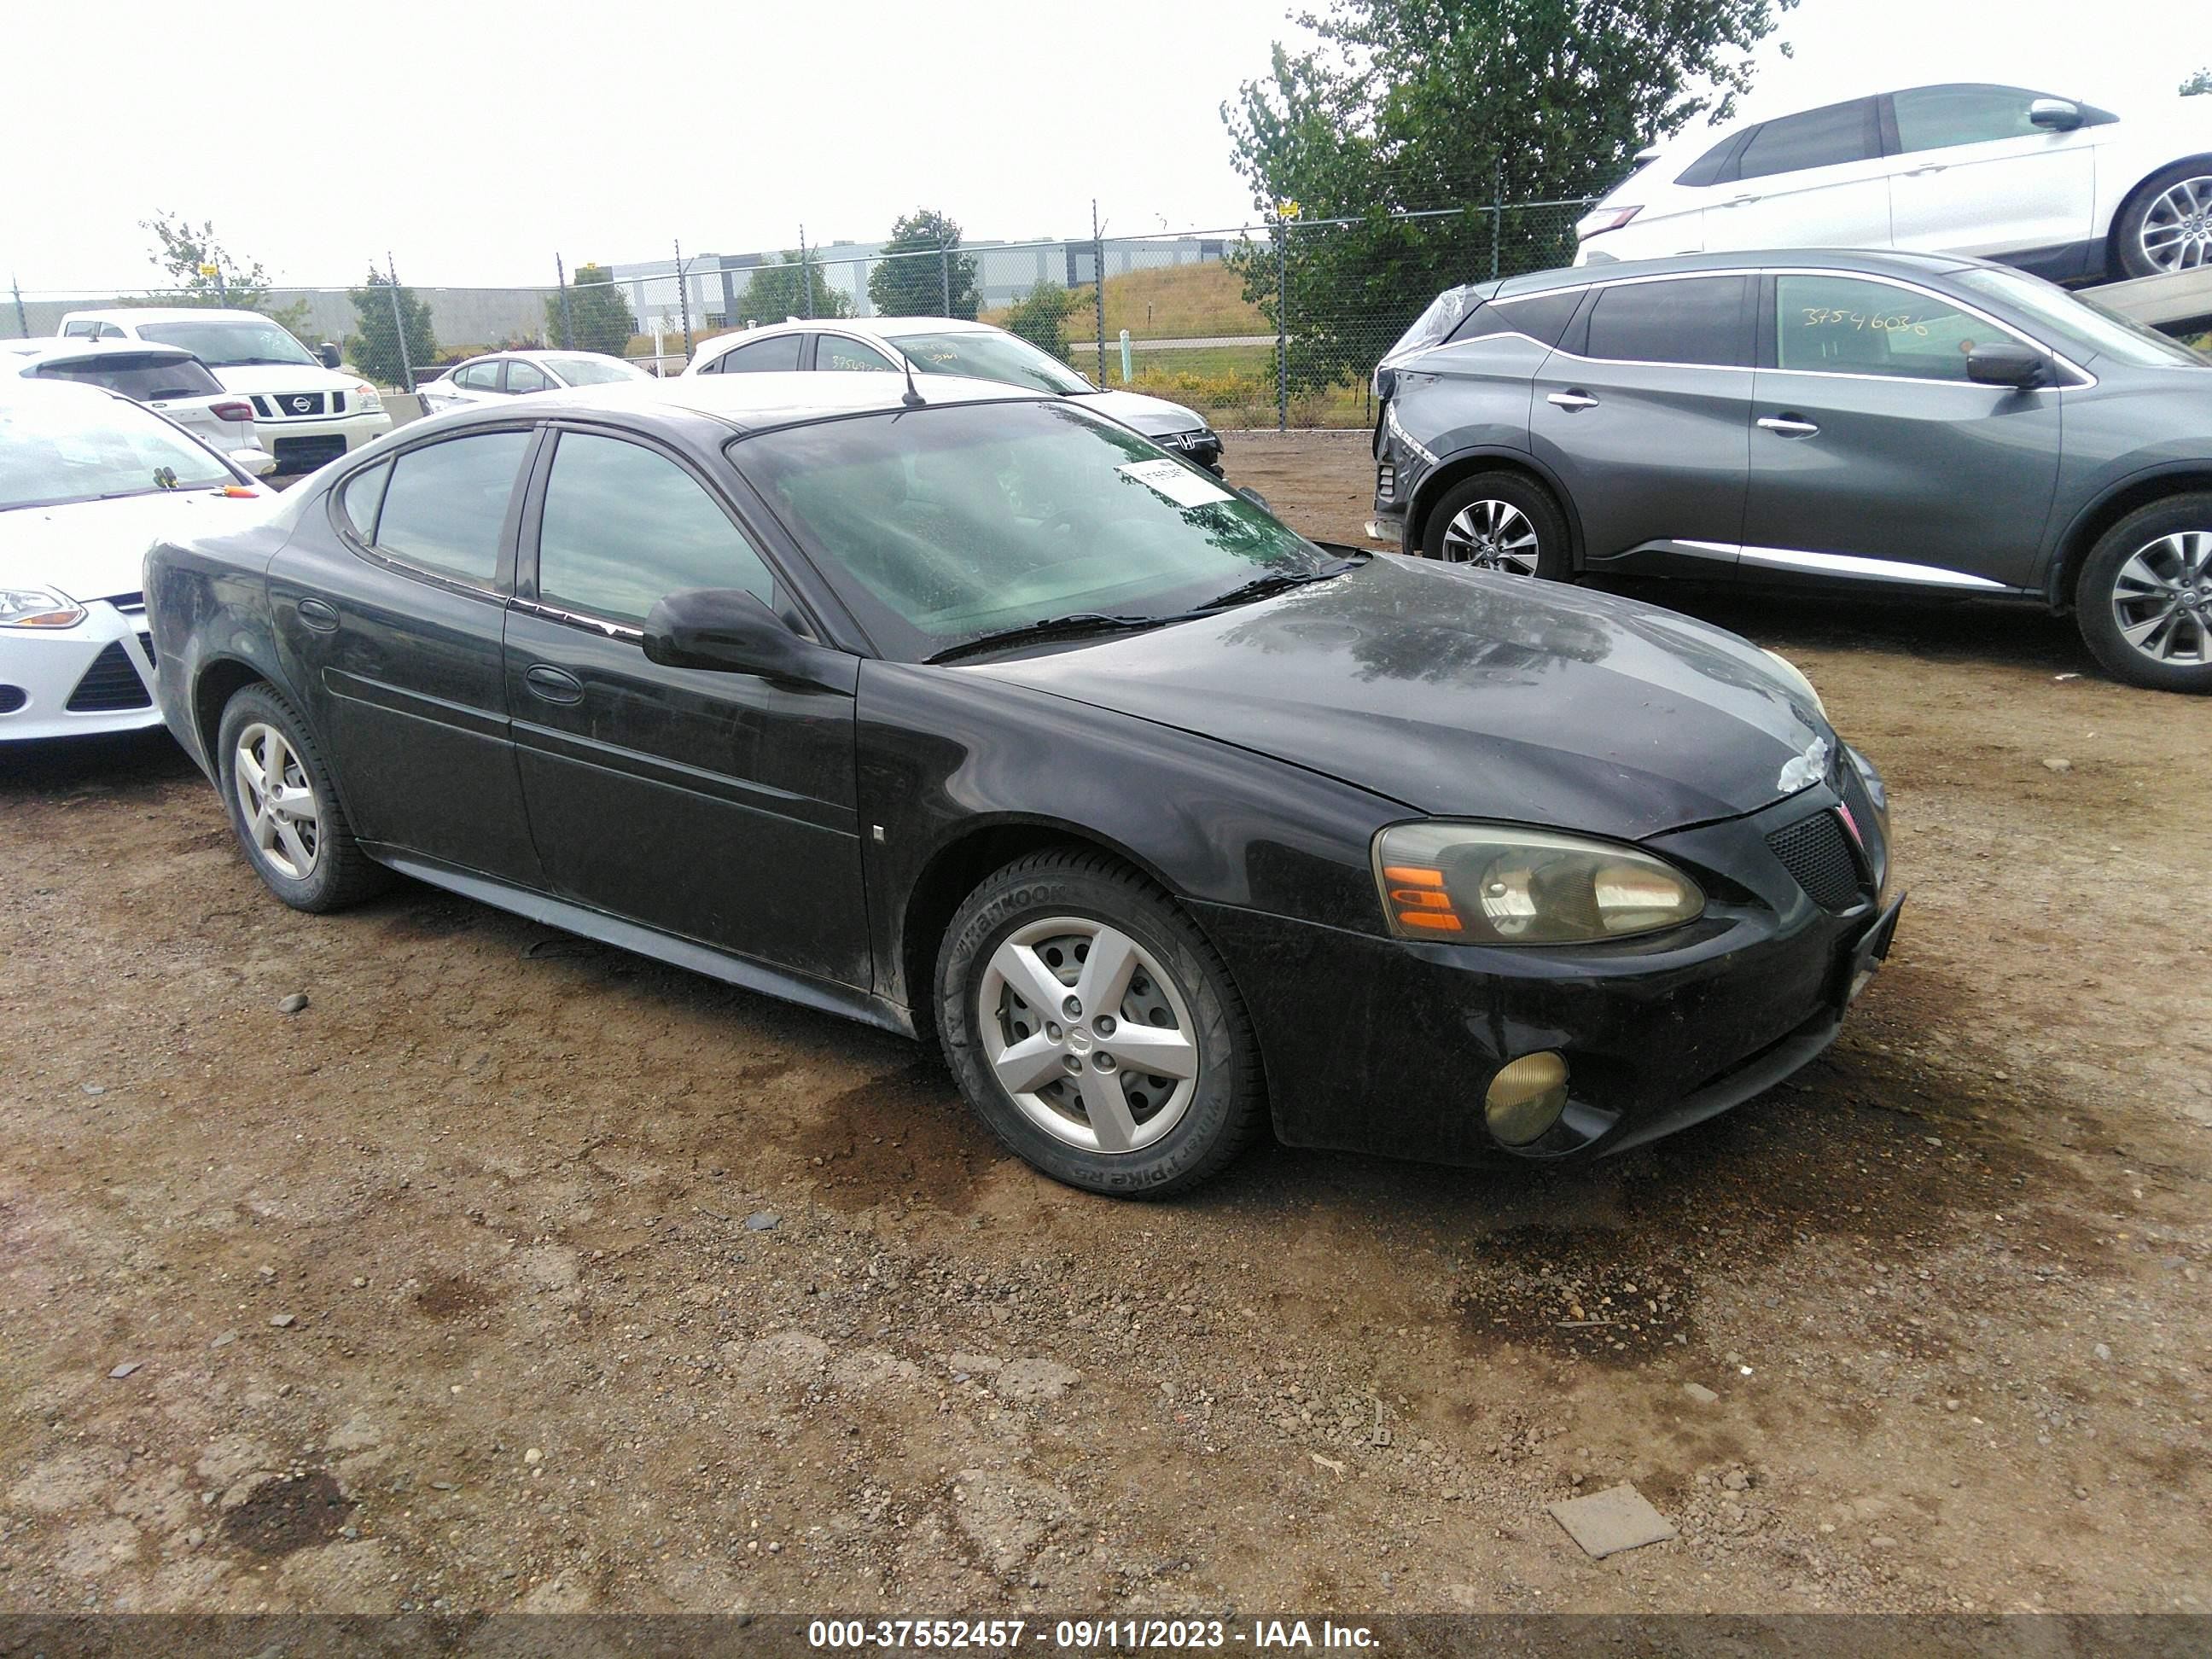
<point>912,398</point>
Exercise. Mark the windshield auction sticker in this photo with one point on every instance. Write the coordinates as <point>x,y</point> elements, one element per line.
<point>1176,482</point>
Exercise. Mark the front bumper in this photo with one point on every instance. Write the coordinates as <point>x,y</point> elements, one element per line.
<point>302,446</point>
<point>1381,1045</point>
<point>78,682</point>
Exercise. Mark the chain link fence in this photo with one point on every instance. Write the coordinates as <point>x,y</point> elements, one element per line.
<point>1272,325</point>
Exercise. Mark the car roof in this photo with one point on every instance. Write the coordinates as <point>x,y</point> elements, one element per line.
<point>878,328</point>
<point>752,403</point>
<point>13,386</point>
<point>165,315</point>
<point>527,352</point>
<point>1872,262</point>
<point>55,346</point>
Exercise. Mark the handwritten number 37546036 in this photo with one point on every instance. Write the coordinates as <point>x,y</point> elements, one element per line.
<point>1830,317</point>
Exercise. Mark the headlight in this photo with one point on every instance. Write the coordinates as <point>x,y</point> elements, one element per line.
<point>36,607</point>
<point>1496,884</point>
<point>1796,676</point>
<point>366,401</point>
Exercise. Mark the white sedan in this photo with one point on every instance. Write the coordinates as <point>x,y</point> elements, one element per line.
<point>511,374</point>
<point>2053,185</point>
<point>89,481</point>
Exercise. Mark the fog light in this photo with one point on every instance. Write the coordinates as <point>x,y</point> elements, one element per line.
<point>1526,1098</point>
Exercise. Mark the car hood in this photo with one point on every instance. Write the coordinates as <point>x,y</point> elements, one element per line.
<point>94,550</point>
<point>250,378</point>
<point>1153,416</point>
<point>1464,694</point>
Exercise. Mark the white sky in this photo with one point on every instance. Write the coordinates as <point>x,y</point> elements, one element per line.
<point>475,137</point>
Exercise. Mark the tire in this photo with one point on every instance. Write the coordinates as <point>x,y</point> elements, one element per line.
<point>1486,521</point>
<point>2150,576</point>
<point>310,860</point>
<point>1046,914</point>
<point>2174,207</point>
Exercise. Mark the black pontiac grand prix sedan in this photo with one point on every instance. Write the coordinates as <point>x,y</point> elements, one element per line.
<point>968,711</point>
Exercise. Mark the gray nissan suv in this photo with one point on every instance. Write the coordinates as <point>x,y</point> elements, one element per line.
<point>1898,422</point>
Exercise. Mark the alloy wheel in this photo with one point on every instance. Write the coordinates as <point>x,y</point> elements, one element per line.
<point>2175,233</point>
<point>1492,535</point>
<point>1088,1033</point>
<point>2162,598</point>
<point>277,800</point>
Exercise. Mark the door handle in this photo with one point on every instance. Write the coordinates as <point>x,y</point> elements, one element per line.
<point>1740,200</point>
<point>1921,172</point>
<point>1572,401</point>
<point>320,615</point>
<point>1788,426</point>
<point>552,684</point>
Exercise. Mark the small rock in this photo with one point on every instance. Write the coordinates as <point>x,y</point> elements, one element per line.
<point>533,1457</point>
<point>2057,763</point>
<point>2102,1350</point>
<point>282,1321</point>
<point>125,1368</point>
<point>293,1004</point>
<point>224,1341</point>
<point>95,1088</point>
<point>1735,1481</point>
<point>761,1221</point>
<point>359,1283</point>
<point>1882,1540</point>
<point>1606,1522</point>
<point>1700,1392</point>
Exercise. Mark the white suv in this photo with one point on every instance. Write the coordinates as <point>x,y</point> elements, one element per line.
<point>304,413</point>
<point>2050,185</point>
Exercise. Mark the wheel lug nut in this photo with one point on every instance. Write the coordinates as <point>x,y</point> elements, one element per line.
<point>1053,1033</point>
<point>1074,1064</point>
<point>1105,1025</point>
<point>1071,1008</point>
<point>1103,1062</point>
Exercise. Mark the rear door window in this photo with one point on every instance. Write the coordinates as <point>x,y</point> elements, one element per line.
<point>479,377</point>
<point>1823,138</point>
<point>1688,319</point>
<point>525,377</point>
<point>445,506</point>
<point>778,352</point>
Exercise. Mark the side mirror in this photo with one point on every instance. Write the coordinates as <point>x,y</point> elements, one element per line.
<point>729,629</point>
<point>329,354</point>
<point>2002,362</point>
<point>2055,114</point>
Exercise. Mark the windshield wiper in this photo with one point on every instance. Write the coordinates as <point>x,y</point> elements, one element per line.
<point>1072,626</point>
<point>1276,581</point>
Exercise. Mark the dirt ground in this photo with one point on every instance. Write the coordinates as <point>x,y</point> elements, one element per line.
<point>515,1271</point>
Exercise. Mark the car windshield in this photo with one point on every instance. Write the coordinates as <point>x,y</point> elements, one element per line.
<point>2082,322</point>
<point>146,376</point>
<point>61,447</point>
<point>594,371</point>
<point>1007,358</point>
<point>942,526</point>
<point>231,343</point>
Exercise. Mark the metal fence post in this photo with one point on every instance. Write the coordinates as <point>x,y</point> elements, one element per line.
<point>21,322</point>
<point>1098,288</point>
<point>399,326</point>
<point>944,273</point>
<point>1282,322</point>
<point>568,321</point>
<point>805,279</point>
<point>683,298</point>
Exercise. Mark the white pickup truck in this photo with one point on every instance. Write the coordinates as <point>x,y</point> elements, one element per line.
<point>305,411</point>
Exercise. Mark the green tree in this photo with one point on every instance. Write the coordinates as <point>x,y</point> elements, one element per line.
<point>2199,82</point>
<point>916,285</point>
<point>183,252</point>
<point>1414,105</point>
<point>779,289</point>
<point>374,348</point>
<point>1041,318</point>
<point>600,317</point>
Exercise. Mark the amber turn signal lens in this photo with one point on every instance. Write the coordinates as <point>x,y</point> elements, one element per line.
<point>1418,899</point>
